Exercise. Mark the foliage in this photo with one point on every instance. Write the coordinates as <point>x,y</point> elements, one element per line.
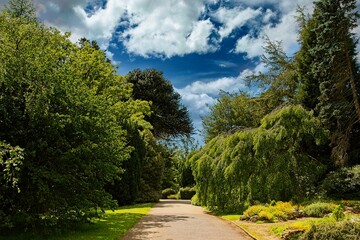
<point>266,216</point>
<point>195,200</point>
<point>254,210</point>
<point>67,109</point>
<point>113,226</point>
<point>169,117</point>
<point>338,212</point>
<point>334,65</point>
<point>343,183</point>
<point>186,193</point>
<point>319,209</point>
<point>11,161</point>
<point>166,192</point>
<point>279,211</point>
<point>345,230</point>
<point>279,82</point>
<point>231,113</point>
<point>269,162</point>
<point>173,196</point>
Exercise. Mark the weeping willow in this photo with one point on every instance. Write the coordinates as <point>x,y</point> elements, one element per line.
<point>270,162</point>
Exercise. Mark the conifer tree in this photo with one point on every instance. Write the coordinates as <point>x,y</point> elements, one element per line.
<point>335,68</point>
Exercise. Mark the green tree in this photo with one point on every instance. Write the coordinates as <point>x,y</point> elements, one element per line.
<point>279,82</point>
<point>66,108</point>
<point>231,113</point>
<point>336,69</point>
<point>169,117</point>
<point>22,8</point>
<point>309,90</point>
<point>261,164</point>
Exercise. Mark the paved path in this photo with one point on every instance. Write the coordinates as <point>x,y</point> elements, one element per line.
<point>179,220</point>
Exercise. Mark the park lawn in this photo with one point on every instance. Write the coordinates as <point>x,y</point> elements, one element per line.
<point>112,226</point>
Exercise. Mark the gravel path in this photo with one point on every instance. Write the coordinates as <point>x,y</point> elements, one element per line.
<point>179,220</point>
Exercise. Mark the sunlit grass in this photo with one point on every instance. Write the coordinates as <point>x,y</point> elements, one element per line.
<point>113,226</point>
<point>231,217</point>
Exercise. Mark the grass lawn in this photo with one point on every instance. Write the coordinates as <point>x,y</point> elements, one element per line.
<point>113,226</point>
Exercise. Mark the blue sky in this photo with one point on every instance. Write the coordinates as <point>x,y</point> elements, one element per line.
<point>202,46</point>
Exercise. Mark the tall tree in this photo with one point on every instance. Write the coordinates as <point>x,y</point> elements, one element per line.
<point>336,69</point>
<point>22,8</point>
<point>231,113</point>
<point>65,108</point>
<point>169,117</point>
<point>309,91</point>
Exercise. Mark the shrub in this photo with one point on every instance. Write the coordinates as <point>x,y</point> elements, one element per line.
<point>338,212</point>
<point>166,192</point>
<point>280,210</point>
<point>195,200</point>
<point>280,214</point>
<point>342,184</point>
<point>266,216</point>
<point>285,207</point>
<point>346,230</point>
<point>187,193</point>
<point>319,209</point>
<point>254,210</point>
<point>173,196</point>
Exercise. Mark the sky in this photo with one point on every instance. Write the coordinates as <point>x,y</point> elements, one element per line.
<point>201,46</point>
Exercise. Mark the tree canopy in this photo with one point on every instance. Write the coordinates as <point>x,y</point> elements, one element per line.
<point>169,117</point>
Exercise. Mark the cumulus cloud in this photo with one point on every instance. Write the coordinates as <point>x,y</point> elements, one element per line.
<point>285,31</point>
<point>233,18</point>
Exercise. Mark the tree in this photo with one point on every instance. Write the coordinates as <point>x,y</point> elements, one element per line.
<point>270,162</point>
<point>169,117</point>
<point>279,82</point>
<point>231,113</point>
<point>309,90</point>
<point>22,8</point>
<point>66,109</point>
<point>336,69</point>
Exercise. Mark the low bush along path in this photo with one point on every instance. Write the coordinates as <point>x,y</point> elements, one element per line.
<point>178,219</point>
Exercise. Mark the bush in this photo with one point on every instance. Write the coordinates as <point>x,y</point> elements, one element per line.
<point>338,213</point>
<point>187,193</point>
<point>167,192</point>
<point>173,196</point>
<point>340,231</point>
<point>280,210</point>
<point>195,200</point>
<point>342,184</point>
<point>254,210</point>
<point>266,216</point>
<point>319,209</point>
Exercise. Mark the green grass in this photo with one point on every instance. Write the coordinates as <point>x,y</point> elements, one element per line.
<point>113,226</point>
<point>231,217</point>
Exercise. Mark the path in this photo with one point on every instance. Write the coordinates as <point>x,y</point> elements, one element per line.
<point>179,220</point>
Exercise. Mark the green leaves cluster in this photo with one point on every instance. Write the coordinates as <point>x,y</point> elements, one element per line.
<point>69,113</point>
<point>260,164</point>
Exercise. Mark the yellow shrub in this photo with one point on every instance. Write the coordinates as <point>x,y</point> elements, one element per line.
<point>285,207</point>
<point>254,210</point>
<point>266,216</point>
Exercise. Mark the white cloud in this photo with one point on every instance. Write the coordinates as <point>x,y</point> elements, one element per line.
<point>233,19</point>
<point>168,28</point>
<point>285,31</point>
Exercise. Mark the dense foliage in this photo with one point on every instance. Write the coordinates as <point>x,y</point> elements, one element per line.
<point>309,111</point>
<point>73,137</point>
<point>170,118</point>
<point>260,164</point>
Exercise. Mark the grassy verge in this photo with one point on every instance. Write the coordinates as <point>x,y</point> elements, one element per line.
<point>113,226</point>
